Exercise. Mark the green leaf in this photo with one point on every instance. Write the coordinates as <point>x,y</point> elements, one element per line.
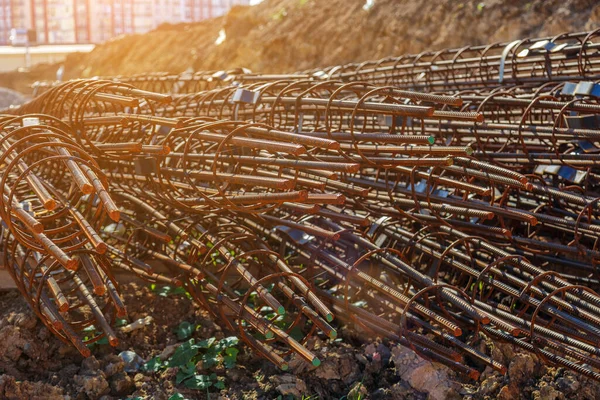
<point>200,382</point>
<point>153,365</point>
<point>230,357</point>
<point>177,396</point>
<point>220,385</point>
<point>207,343</point>
<point>210,358</point>
<point>103,340</point>
<point>185,330</point>
<point>183,354</point>
<point>185,372</point>
<point>296,333</point>
<point>228,342</point>
<point>179,290</point>
<point>163,291</point>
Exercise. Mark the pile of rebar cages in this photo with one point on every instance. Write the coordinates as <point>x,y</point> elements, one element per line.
<point>424,198</point>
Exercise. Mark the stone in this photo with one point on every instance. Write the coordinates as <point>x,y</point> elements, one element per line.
<point>490,385</point>
<point>549,393</point>
<point>114,368</point>
<point>90,365</point>
<point>132,362</point>
<point>521,367</point>
<point>509,392</point>
<point>339,366</point>
<point>289,385</point>
<point>23,320</point>
<point>168,351</point>
<point>93,386</point>
<point>121,384</point>
<point>384,353</point>
<point>568,384</point>
<point>12,343</point>
<point>425,376</point>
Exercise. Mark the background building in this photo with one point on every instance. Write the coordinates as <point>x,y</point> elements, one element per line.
<point>95,21</point>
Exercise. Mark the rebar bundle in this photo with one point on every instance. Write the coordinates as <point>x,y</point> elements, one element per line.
<point>54,200</point>
<point>568,56</point>
<point>280,202</point>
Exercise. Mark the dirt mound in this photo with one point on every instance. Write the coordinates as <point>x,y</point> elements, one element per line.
<point>290,35</point>
<point>279,36</point>
<point>10,98</point>
<point>36,365</point>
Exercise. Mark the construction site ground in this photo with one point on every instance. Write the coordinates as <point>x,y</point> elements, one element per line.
<point>281,36</point>
<point>36,365</point>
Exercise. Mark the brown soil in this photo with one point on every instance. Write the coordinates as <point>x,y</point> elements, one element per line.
<point>36,365</point>
<point>280,36</point>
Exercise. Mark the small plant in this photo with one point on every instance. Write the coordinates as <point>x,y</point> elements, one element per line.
<point>165,291</point>
<point>210,351</point>
<point>90,332</point>
<point>185,330</point>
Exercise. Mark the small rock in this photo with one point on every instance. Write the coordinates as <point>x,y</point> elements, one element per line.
<point>370,350</point>
<point>490,386</point>
<point>289,385</point>
<point>12,343</point>
<point>381,394</point>
<point>549,393</point>
<point>521,368</point>
<point>509,392</point>
<point>43,333</point>
<point>339,366</point>
<point>168,351</point>
<point>423,375</point>
<point>487,372</point>
<point>90,365</point>
<point>23,320</point>
<point>10,388</point>
<point>567,384</point>
<point>114,368</point>
<point>92,386</point>
<point>361,359</point>
<point>401,390</point>
<point>384,353</point>
<point>503,352</point>
<point>121,384</point>
<point>299,365</point>
<point>66,349</point>
<point>132,362</point>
